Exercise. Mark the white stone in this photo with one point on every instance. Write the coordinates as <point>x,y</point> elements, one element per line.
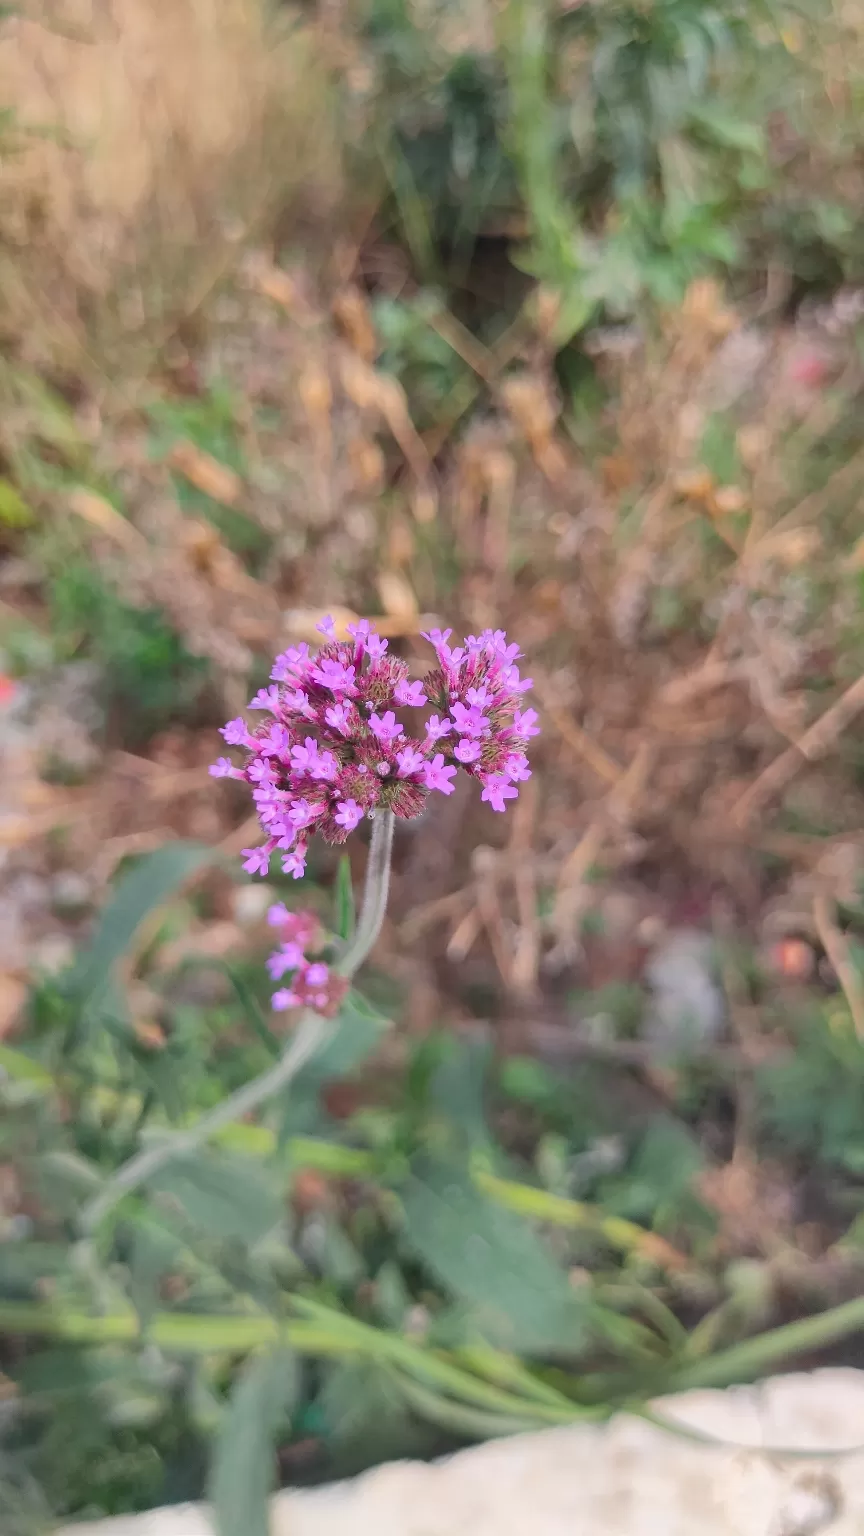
<point>686,1009</point>
<point>784,1458</point>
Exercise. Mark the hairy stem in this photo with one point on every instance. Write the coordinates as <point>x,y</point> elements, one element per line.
<point>311,1034</point>
<point>375,893</point>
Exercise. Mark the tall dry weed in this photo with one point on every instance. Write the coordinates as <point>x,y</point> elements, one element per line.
<point>152,136</point>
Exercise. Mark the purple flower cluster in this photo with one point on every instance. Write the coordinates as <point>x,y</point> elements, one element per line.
<point>332,749</point>
<point>312,984</point>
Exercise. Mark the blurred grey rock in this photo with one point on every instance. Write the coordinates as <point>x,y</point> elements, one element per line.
<point>250,902</point>
<point>52,955</point>
<point>687,1009</point>
<point>71,893</point>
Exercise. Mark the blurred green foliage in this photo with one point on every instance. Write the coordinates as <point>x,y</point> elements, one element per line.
<point>417,1253</point>
<point>631,143</point>
<point>147,678</point>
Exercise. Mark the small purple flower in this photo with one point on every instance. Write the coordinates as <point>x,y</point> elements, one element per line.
<point>325,767</point>
<point>468,751</point>
<point>338,716</point>
<point>260,771</point>
<point>410,694</point>
<point>223,768</point>
<point>519,685</point>
<point>524,722</point>
<point>376,647</point>
<point>409,761</point>
<point>294,863</point>
<point>291,663</point>
<point>437,638</point>
<point>268,799</point>
<point>436,728</point>
<point>275,742</point>
<point>469,722</point>
<point>327,627</point>
<point>383,768</point>
<point>286,958</point>
<point>302,814</point>
<point>335,676</point>
<point>317,974</point>
<point>437,776</point>
<point>497,790</point>
<point>235,733</point>
<point>284,999</point>
<point>299,702</point>
<point>304,758</point>
<point>301,928</point>
<point>348,814</point>
<point>266,698</point>
<point>479,696</point>
<point>386,727</point>
<point>256,861</point>
<point>516,767</point>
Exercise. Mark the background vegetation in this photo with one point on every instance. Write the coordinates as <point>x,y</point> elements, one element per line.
<point>543,315</point>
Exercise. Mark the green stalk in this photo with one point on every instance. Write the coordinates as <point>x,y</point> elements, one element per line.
<point>460,1419</point>
<point>326,1332</point>
<point>434,1368</point>
<point>559,1211</point>
<point>743,1362</point>
<point>311,1034</point>
<point>375,893</point>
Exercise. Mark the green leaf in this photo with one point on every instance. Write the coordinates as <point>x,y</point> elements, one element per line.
<point>228,1197</point>
<point>337,1256</point>
<point>63,1179</point>
<point>23,1264</point>
<point>254,1016</point>
<point>48,413</point>
<point>365,1419</point>
<point>346,914</point>
<point>23,1069</point>
<point>457,1090</point>
<point>358,1032</point>
<point>14,510</point>
<point>154,1251</point>
<point>148,885</point>
<point>242,1470</point>
<point>491,1258</point>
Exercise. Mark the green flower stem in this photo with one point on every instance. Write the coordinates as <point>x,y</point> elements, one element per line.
<point>743,1362</point>
<point>559,1211</point>
<point>434,1367</point>
<point>326,1332</point>
<point>478,1423</point>
<point>323,1331</point>
<point>375,893</point>
<point>311,1034</point>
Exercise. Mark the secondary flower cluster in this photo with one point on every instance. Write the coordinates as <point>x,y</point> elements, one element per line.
<point>332,749</point>
<point>312,984</point>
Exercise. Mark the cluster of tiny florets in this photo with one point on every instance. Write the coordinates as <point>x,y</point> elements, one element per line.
<point>308,983</point>
<point>332,749</point>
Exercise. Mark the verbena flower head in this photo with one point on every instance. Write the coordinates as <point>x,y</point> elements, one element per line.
<point>332,748</point>
<point>305,983</point>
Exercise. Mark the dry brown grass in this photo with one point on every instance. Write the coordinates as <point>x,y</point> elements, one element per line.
<point>671,748</point>
<point>152,138</point>
<point>178,126</point>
